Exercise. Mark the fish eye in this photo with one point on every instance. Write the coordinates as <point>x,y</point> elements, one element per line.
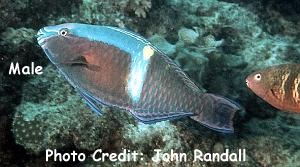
<point>257,77</point>
<point>63,32</point>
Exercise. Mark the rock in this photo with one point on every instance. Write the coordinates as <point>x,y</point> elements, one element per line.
<point>187,36</point>
<point>36,125</point>
<point>16,38</point>
<point>218,148</point>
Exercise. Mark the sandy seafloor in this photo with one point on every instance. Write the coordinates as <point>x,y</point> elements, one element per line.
<point>217,43</point>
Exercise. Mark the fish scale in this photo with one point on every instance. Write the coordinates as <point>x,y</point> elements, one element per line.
<point>160,77</point>
<point>119,68</point>
<point>100,80</point>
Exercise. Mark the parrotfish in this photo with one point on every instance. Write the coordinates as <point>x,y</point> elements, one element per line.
<point>119,68</point>
<point>278,85</point>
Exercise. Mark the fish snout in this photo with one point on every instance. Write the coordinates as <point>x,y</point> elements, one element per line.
<point>40,36</point>
<point>43,35</point>
<point>247,83</point>
<point>41,32</point>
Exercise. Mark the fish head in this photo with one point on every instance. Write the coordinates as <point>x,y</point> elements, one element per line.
<point>64,44</point>
<point>260,82</point>
<point>274,84</point>
<point>74,55</point>
<point>83,54</point>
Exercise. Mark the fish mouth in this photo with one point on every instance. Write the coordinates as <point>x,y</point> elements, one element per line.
<point>247,83</point>
<point>43,35</point>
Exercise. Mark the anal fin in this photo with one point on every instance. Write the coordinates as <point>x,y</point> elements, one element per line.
<point>151,118</point>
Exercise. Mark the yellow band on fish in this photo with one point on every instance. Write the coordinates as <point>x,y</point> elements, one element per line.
<point>148,52</point>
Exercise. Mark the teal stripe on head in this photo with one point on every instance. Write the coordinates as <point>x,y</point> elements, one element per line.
<point>123,39</point>
<point>120,38</point>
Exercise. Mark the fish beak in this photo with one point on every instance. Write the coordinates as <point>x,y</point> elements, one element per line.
<point>247,82</point>
<point>41,32</point>
<point>43,35</point>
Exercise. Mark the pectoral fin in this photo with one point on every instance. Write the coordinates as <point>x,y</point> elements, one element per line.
<point>81,61</point>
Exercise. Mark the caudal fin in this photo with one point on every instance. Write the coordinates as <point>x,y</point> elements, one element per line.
<point>217,113</point>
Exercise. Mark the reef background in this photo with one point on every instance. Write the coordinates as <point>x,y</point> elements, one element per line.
<point>217,43</point>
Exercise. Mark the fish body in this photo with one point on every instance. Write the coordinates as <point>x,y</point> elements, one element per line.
<point>116,67</point>
<point>278,85</point>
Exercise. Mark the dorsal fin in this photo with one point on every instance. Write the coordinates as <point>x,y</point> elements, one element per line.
<point>130,33</point>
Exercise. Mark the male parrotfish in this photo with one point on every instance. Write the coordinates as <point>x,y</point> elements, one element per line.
<point>278,85</point>
<point>119,68</point>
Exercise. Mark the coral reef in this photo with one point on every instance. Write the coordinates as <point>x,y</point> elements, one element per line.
<point>187,36</point>
<point>36,125</point>
<point>16,45</point>
<point>16,38</point>
<point>216,43</point>
<point>112,12</point>
<point>7,12</point>
<point>161,43</point>
<point>140,7</point>
<point>5,154</point>
<point>161,135</point>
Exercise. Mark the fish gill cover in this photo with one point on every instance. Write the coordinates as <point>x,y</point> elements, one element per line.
<point>217,43</point>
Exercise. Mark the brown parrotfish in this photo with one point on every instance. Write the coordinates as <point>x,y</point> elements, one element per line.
<point>119,68</point>
<point>278,85</point>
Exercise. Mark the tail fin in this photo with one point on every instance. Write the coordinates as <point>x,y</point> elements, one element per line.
<point>217,113</point>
